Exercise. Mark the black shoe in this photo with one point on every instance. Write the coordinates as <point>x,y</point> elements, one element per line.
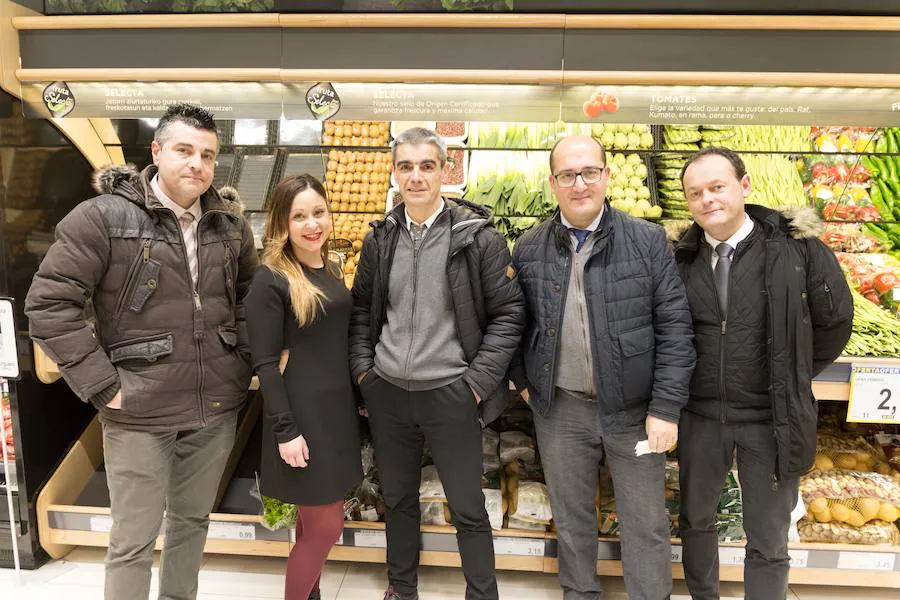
<point>315,595</point>
<point>390,594</point>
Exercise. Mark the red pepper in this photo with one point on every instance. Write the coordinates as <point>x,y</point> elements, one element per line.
<point>867,213</point>
<point>829,210</point>
<point>865,286</point>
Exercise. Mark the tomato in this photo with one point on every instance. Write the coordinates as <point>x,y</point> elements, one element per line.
<point>845,212</point>
<point>860,174</point>
<point>591,109</point>
<point>840,172</point>
<point>867,213</point>
<point>819,171</point>
<point>873,298</point>
<point>885,282</point>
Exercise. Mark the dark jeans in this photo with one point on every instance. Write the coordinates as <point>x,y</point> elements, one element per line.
<point>571,445</point>
<point>447,418</point>
<point>147,473</point>
<point>705,451</point>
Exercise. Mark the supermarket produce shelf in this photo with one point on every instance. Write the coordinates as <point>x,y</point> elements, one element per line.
<point>832,564</point>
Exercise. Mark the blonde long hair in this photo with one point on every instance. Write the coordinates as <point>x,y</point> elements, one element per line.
<point>278,255</point>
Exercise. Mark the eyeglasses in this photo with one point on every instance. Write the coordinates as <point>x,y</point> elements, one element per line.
<point>589,175</point>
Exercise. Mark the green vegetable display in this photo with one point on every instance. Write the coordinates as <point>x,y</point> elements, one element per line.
<point>875,331</point>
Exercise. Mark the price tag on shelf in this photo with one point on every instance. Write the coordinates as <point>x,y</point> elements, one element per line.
<point>369,538</point>
<point>223,530</point>
<point>867,561</point>
<point>519,546</point>
<point>101,524</point>
<point>677,554</point>
<point>874,394</point>
<point>799,558</point>
<point>732,556</point>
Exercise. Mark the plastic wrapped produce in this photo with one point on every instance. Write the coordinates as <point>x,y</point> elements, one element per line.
<point>431,489</point>
<point>433,513</point>
<point>874,533</point>
<point>515,445</point>
<point>493,503</point>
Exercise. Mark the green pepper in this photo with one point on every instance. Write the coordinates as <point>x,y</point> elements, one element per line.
<point>874,230</point>
<point>878,201</point>
<point>871,164</point>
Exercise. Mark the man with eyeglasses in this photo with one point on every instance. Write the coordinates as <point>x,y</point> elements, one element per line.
<point>605,364</point>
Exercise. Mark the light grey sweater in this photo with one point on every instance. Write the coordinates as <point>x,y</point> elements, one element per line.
<point>419,347</point>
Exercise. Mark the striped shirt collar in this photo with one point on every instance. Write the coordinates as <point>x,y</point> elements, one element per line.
<point>196,209</point>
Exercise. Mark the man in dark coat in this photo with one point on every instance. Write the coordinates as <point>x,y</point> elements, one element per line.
<point>605,364</point>
<point>770,309</point>
<point>165,262</point>
<point>437,317</point>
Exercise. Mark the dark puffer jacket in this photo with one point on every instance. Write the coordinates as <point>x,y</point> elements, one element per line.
<point>641,337</point>
<point>180,361</point>
<point>809,320</point>
<point>487,300</point>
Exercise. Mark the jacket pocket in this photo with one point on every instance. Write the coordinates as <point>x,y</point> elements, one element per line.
<point>149,348</point>
<point>145,284</point>
<point>229,336</point>
<point>130,278</point>
<point>637,350</point>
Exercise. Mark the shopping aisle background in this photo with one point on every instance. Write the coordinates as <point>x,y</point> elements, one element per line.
<point>80,577</point>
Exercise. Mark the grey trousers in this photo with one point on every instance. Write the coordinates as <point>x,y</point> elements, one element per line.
<point>705,452</point>
<point>571,445</point>
<point>149,473</point>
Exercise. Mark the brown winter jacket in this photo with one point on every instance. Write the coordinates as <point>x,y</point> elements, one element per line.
<point>181,361</point>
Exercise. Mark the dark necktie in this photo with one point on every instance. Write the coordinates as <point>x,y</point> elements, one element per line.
<point>581,235</point>
<point>721,274</point>
<point>417,232</point>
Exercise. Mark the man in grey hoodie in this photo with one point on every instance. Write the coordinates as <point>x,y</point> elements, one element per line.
<point>437,316</point>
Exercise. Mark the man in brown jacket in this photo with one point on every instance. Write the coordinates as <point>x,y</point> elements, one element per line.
<point>165,262</point>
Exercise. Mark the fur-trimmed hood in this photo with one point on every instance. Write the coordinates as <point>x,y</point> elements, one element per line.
<point>128,182</point>
<point>797,222</point>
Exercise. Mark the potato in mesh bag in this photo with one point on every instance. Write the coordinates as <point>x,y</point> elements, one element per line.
<point>874,533</point>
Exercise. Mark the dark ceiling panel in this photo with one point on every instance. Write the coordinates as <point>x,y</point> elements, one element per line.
<point>732,51</point>
<point>151,48</point>
<point>497,49</point>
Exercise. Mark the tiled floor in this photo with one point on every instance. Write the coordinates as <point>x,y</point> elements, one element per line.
<point>80,577</point>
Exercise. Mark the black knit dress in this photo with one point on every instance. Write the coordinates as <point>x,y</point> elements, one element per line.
<point>313,398</point>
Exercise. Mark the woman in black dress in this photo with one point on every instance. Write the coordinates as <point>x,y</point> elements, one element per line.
<point>298,303</point>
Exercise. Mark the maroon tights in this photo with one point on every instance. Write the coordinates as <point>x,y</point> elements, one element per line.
<point>318,528</point>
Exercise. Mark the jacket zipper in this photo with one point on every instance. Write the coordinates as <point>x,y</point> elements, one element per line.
<point>562,315</point>
<point>198,306</point>
<point>412,323</point>
<point>830,297</point>
<point>142,258</point>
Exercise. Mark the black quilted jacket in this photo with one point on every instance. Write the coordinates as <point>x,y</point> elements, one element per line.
<point>487,300</point>
<point>640,334</point>
<point>810,316</point>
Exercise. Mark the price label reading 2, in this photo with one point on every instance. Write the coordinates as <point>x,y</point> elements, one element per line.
<point>874,394</point>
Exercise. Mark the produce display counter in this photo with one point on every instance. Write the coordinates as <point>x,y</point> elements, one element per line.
<point>73,510</point>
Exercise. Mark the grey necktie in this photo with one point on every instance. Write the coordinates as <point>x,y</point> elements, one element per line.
<point>417,232</point>
<point>721,275</point>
